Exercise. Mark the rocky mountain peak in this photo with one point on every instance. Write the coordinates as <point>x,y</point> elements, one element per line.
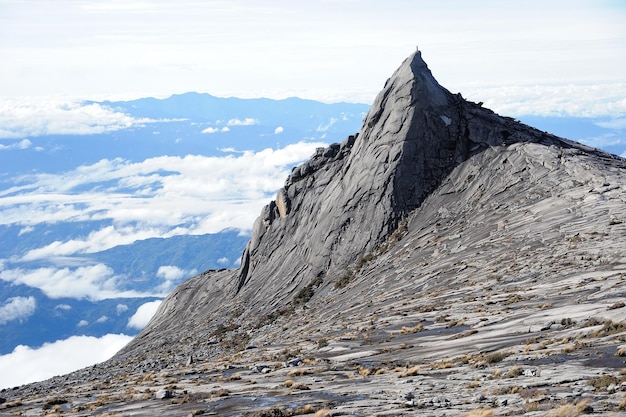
<point>443,260</point>
<point>346,200</point>
<point>352,201</point>
<point>349,198</point>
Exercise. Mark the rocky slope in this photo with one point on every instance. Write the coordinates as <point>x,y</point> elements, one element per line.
<point>445,260</point>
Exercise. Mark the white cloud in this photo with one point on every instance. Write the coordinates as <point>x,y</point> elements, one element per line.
<point>142,202</point>
<point>604,140</point>
<point>65,307</point>
<point>325,127</point>
<point>25,230</point>
<point>96,241</point>
<point>94,282</point>
<point>228,150</point>
<point>623,155</point>
<point>618,124</point>
<point>279,130</point>
<point>225,129</point>
<point>170,272</point>
<point>121,308</point>
<point>223,261</point>
<point>210,130</point>
<point>172,275</point>
<point>25,365</point>
<point>144,313</point>
<point>17,308</point>
<point>102,319</point>
<point>243,122</point>
<point>23,144</point>
<point>82,323</point>
<point>591,100</point>
<point>20,118</point>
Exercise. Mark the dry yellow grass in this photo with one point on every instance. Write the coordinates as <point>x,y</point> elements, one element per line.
<point>412,371</point>
<point>569,410</point>
<point>415,329</point>
<point>322,413</point>
<point>473,384</point>
<point>306,409</point>
<point>148,377</point>
<point>299,372</point>
<point>566,410</point>
<point>445,364</point>
<point>222,393</point>
<point>480,412</point>
<point>514,372</point>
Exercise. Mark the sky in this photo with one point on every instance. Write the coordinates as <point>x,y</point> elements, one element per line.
<point>538,57</point>
<point>330,50</point>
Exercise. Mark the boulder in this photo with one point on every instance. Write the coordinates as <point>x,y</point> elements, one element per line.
<point>163,394</point>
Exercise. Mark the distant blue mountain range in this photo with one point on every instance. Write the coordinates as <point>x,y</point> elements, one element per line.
<point>178,122</point>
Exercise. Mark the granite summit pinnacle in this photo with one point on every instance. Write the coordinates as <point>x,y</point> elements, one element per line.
<point>443,260</point>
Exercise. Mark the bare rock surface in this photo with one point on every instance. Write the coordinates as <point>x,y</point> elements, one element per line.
<point>444,261</point>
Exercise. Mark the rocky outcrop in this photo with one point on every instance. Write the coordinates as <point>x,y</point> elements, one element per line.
<point>348,199</point>
<point>338,208</point>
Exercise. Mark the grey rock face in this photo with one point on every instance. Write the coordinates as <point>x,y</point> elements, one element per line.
<point>345,202</point>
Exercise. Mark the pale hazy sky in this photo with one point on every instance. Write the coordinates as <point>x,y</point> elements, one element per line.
<point>327,49</point>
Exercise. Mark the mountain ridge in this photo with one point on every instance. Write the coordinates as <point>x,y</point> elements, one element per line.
<point>414,135</point>
<point>444,260</point>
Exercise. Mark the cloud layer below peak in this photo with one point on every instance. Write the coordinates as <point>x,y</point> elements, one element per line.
<point>21,118</point>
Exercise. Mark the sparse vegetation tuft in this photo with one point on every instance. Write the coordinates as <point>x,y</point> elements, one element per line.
<point>55,401</point>
<point>299,372</point>
<point>603,381</point>
<point>412,371</point>
<point>273,316</point>
<point>305,294</point>
<point>363,260</point>
<point>343,281</point>
<point>496,357</point>
<point>610,327</point>
<point>480,412</point>
<point>322,342</point>
<point>571,410</point>
<point>514,372</point>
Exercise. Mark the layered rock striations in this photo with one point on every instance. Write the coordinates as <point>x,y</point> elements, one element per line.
<point>451,258</point>
<point>349,198</point>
